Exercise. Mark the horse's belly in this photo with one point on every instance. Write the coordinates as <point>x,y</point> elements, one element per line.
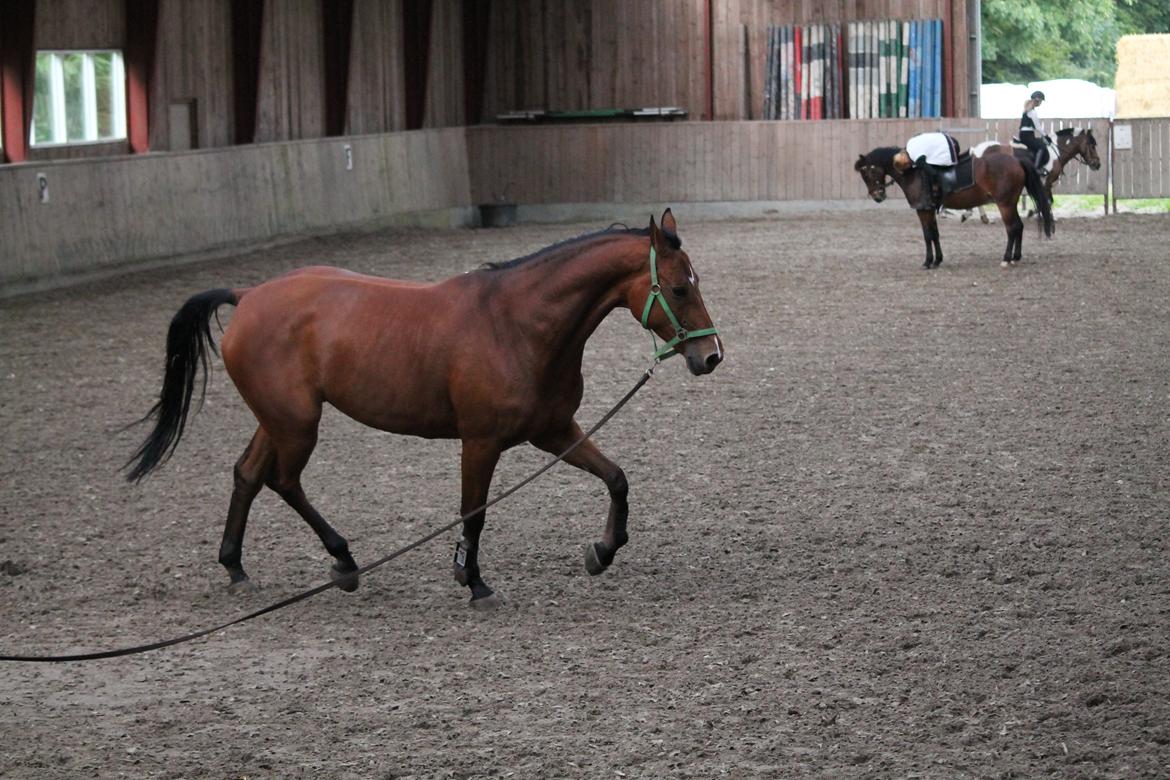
<point>399,405</point>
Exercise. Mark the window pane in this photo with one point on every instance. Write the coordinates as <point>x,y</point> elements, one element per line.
<point>43,101</point>
<point>103,84</point>
<point>74,101</point>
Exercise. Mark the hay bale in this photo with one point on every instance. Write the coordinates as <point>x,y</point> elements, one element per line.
<point>1143,75</point>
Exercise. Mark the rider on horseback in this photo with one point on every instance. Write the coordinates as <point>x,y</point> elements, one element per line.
<point>1030,130</point>
<point>932,153</point>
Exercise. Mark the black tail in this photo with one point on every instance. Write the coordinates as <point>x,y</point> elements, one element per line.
<point>188,342</point>
<point>1035,187</point>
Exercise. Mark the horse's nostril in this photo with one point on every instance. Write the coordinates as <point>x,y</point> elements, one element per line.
<point>713,360</point>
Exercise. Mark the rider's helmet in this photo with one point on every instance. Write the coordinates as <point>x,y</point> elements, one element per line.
<point>1037,95</point>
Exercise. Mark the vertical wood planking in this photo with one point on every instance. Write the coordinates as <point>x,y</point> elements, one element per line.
<point>376,89</point>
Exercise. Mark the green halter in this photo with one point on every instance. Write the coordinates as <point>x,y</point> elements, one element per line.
<point>681,334</point>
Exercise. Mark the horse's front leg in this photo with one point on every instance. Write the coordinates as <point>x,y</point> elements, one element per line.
<point>929,233</point>
<point>598,555</point>
<point>478,463</point>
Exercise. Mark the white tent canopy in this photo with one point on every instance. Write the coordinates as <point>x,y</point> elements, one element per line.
<point>1071,98</point>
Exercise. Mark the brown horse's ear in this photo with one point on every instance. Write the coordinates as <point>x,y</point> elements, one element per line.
<point>668,224</point>
<point>655,233</point>
<point>857,166</point>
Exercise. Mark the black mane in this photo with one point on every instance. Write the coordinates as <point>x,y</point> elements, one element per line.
<point>550,251</point>
<point>883,156</point>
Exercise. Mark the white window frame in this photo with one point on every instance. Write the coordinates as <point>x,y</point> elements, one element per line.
<point>59,133</point>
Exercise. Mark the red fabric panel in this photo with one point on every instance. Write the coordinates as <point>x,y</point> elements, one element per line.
<point>141,38</point>
<point>17,75</point>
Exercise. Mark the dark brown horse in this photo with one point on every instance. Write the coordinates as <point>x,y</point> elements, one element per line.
<point>999,179</point>
<point>491,357</point>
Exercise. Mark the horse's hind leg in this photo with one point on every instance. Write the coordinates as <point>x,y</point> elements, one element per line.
<point>1015,232</point>
<point>478,463</point>
<point>598,555</point>
<point>292,454</point>
<point>250,472</point>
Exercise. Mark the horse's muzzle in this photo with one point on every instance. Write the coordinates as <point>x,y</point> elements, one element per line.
<point>701,362</point>
<point>878,197</point>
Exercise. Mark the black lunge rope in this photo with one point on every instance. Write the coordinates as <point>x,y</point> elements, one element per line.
<point>333,584</point>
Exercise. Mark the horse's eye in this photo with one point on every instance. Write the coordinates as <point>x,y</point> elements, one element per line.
<point>679,292</point>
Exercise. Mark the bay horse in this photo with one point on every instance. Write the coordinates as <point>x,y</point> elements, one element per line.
<point>999,179</point>
<point>491,357</point>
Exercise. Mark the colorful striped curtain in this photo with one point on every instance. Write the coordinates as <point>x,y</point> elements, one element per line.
<point>862,70</point>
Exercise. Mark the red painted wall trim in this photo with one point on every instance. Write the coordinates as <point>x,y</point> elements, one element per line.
<point>141,40</point>
<point>17,75</point>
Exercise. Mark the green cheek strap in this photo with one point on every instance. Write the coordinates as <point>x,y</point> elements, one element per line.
<point>681,334</point>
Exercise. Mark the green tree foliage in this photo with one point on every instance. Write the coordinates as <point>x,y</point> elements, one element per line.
<point>1036,40</point>
<point>1143,16</point>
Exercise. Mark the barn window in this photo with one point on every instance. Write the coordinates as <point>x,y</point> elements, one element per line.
<point>79,97</point>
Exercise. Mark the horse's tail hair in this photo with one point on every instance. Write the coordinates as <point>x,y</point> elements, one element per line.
<point>1036,190</point>
<point>188,342</point>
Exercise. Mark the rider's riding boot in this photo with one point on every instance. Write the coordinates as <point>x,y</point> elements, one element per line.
<point>932,180</point>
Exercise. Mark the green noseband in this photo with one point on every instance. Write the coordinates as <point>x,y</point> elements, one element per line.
<point>680,333</point>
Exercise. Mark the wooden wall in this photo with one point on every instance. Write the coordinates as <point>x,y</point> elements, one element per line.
<point>292,72</point>
<point>705,161</point>
<point>106,212</point>
<point>555,54</point>
<point>445,99</point>
<point>580,54</point>
<point>186,26</point>
<point>375,95</point>
<point>80,24</point>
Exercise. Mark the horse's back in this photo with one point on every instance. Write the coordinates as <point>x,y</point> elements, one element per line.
<point>372,347</point>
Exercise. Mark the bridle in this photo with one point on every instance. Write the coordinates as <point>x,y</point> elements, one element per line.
<point>681,334</point>
<point>869,172</point>
<point>1080,153</point>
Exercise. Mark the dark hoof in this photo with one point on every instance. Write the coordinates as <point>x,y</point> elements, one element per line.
<point>243,587</point>
<point>346,579</point>
<point>488,603</point>
<point>595,558</point>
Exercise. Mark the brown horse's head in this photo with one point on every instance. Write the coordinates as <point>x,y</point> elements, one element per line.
<point>874,173</point>
<point>1082,144</point>
<point>667,299</point>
